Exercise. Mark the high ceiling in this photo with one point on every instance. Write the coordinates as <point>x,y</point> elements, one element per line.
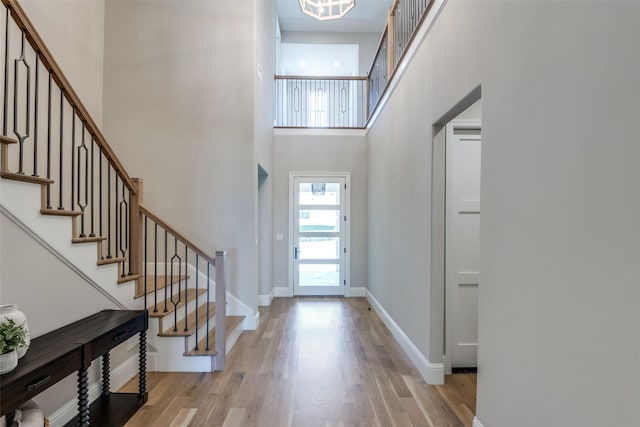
<point>368,16</point>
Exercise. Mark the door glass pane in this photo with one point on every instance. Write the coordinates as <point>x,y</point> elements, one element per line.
<point>319,193</point>
<point>319,248</point>
<point>319,274</point>
<point>317,220</point>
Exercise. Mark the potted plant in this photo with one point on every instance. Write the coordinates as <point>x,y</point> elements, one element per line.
<point>12,336</point>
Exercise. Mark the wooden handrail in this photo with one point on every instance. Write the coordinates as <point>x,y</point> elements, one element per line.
<point>373,63</point>
<point>36,42</point>
<point>394,8</point>
<point>165,225</point>
<point>389,30</point>
<point>281,77</point>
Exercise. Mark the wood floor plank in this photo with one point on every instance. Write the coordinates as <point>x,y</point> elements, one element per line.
<point>184,417</point>
<point>237,417</point>
<point>312,362</point>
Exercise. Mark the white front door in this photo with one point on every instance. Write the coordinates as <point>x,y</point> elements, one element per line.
<point>319,235</point>
<point>463,141</point>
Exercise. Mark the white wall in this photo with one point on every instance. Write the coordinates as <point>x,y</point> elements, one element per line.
<point>179,111</point>
<point>319,153</point>
<point>265,48</point>
<point>558,300</point>
<point>74,33</point>
<point>367,43</point>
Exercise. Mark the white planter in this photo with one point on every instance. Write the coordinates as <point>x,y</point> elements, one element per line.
<point>8,361</point>
<point>10,311</point>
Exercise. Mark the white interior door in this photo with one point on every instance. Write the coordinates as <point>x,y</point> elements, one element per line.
<point>319,235</point>
<point>463,141</point>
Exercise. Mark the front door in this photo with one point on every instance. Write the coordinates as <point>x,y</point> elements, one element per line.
<point>319,235</point>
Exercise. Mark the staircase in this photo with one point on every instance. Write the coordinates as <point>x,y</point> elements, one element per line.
<point>58,170</point>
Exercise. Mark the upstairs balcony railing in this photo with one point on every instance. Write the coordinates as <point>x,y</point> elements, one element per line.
<point>321,102</point>
<point>349,102</point>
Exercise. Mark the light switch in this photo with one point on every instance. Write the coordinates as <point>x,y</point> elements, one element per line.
<point>279,236</point>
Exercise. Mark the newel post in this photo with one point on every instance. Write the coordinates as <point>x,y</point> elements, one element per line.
<point>136,229</point>
<point>221,312</point>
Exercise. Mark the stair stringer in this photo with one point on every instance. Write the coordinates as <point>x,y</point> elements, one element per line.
<point>22,201</point>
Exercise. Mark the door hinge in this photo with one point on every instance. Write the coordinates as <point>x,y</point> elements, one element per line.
<point>345,218</point>
<point>345,282</point>
<point>345,186</point>
<point>345,250</point>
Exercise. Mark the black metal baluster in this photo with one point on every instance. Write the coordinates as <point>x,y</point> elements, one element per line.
<point>124,228</point>
<point>207,347</point>
<point>49,142</point>
<point>115,214</point>
<point>155,269</point>
<point>176,258</point>
<point>73,157</point>
<point>16,82</point>
<point>82,149</point>
<point>145,262</point>
<point>186,301</point>
<point>100,198</point>
<point>61,159</point>
<point>197,277</point>
<point>6,73</point>
<point>166,260</point>
<point>35,116</point>
<point>92,234</point>
<point>108,209</point>
<point>130,237</point>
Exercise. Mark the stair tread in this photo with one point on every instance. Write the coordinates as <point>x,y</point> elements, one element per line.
<point>91,239</point>
<point>191,322</point>
<point>160,281</point>
<point>231,324</point>
<point>112,260</point>
<point>59,212</point>
<point>190,294</point>
<point>7,140</point>
<point>128,278</point>
<point>26,178</point>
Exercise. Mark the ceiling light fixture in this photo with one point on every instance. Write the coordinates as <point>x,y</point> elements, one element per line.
<point>324,10</point>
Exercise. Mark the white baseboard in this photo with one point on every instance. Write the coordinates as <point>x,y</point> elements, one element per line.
<point>476,422</point>
<point>266,300</point>
<point>282,291</point>
<point>152,361</point>
<point>357,291</point>
<point>432,373</point>
<point>231,340</point>
<point>119,377</point>
<point>256,320</point>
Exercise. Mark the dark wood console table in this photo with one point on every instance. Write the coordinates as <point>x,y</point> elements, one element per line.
<point>72,348</point>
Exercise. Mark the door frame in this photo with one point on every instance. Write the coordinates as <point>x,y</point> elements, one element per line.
<point>448,338</point>
<point>347,208</point>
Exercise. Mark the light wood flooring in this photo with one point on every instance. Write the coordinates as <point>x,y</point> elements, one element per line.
<point>313,362</point>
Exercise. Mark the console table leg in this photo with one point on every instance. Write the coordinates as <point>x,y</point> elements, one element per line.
<point>142,379</point>
<point>106,373</point>
<point>83,398</point>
